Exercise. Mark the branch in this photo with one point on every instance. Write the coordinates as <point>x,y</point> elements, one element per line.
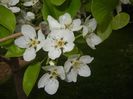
<point>10,37</point>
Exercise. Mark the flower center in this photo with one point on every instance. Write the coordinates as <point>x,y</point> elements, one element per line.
<point>54,73</point>
<point>33,42</point>
<point>60,43</point>
<point>76,64</point>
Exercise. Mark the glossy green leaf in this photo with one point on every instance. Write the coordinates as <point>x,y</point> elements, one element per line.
<point>14,51</point>
<point>4,32</point>
<point>7,19</point>
<point>57,2</point>
<point>102,9</point>
<point>104,35</point>
<point>120,21</point>
<point>70,6</point>
<point>30,77</point>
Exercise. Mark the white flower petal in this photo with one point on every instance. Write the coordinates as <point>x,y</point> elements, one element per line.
<point>61,72</point>
<point>14,9</point>
<point>91,24</point>
<point>47,44</point>
<point>54,53</point>
<point>43,80</point>
<point>68,36</point>
<point>65,19</point>
<point>84,71</point>
<point>76,25</point>
<point>41,38</point>
<point>30,16</point>
<point>86,59</point>
<point>53,24</point>
<point>125,1</point>
<point>28,31</point>
<point>67,66</point>
<point>21,42</point>
<point>52,86</point>
<point>119,8</point>
<point>68,47</point>
<point>72,76</point>
<point>92,40</point>
<point>85,30</point>
<point>29,54</point>
<point>28,3</point>
<point>13,2</point>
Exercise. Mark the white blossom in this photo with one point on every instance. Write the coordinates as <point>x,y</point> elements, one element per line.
<point>65,22</point>
<point>10,4</point>
<point>92,40</point>
<point>88,32</point>
<point>76,65</point>
<point>30,41</point>
<point>119,6</point>
<point>59,41</point>
<point>49,80</point>
<point>30,3</point>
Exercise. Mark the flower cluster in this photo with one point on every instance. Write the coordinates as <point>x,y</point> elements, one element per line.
<point>58,41</point>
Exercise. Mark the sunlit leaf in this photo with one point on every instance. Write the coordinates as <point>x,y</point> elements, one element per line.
<point>30,77</point>
<point>14,51</point>
<point>7,19</point>
<point>120,21</point>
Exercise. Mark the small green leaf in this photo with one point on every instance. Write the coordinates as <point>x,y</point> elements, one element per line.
<point>74,51</point>
<point>120,21</point>
<point>57,2</point>
<point>14,51</point>
<point>30,77</point>
<point>104,35</point>
<point>7,19</point>
<point>3,33</point>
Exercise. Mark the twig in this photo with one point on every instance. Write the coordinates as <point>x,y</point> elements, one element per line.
<point>10,37</point>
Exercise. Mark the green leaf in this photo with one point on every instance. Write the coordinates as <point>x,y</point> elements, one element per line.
<point>57,2</point>
<point>74,51</point>
<point>102,9</point>
<point>120,21</point>
<point>14,51</point>
<point>30,77</point>
<point>104,35</point>
<point>4,32</point>
<point>70,6</point>
<point>74,7</point>
<point>7,19</point>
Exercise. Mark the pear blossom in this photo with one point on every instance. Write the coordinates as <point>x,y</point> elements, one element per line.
<point>59,41</point>
<point>119,6</point>
<point>10,4</point>
<point>76,65</point>
<point>30,41</point>
<point>88,33</point>
<point>49,81</point>
<point>30,3</point>
<point>65,22</point>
